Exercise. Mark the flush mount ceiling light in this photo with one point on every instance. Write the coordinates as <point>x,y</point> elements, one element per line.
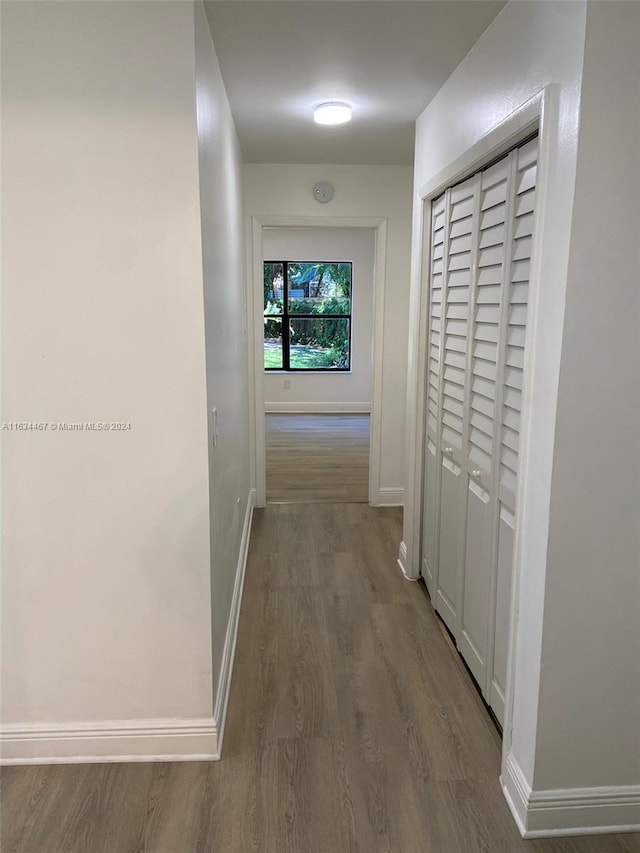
<point>332,112</point>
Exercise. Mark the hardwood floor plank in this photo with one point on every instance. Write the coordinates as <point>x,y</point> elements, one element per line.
<point>307,705</point>
<point>313,782</point>
<point>347,613</point>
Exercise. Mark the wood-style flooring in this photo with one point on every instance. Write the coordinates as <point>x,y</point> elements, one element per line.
<point>352,725</point>
<point>317,457</point>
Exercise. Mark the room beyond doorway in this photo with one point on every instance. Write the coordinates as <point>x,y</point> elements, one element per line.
<point>317,458</point>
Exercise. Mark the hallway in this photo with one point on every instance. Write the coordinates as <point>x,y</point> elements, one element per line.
<point>352,725</point>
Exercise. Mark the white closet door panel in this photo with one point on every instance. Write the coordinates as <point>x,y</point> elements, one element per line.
<point>489,293</point>
<point>453,406</point>
<point>522,249</point>
<point>435,315</point>
<point>460,245</point>
<point>510,438</point>
<point>460,227</point>
<point>482,386</point>
<point>518,287</point>
<point>456,327</point>
<point>516,336</point>
<point>502,610</point>
<point>519,293</point>
<point>430,514</point>
<point>488,312</point>
<point>460,261</point>
<point>478,455</point>
<point>450,542</point>
<point>523,226</point>
<point>485,369</point>
<point>484,350</point>
<point>457,311</point>
<point>510,418</point>
<point>527,153</point>
<point>475,601</point>
<point>480,441</point>
<point>454,357</point>
<point>512,398</point>
<point>525,203</point>
<point>461,206</point>
<point>490,275</point>
<point>460,257</point>
<point>492,236</point>
<point>491,256</point>
<point>485,334</point>
<point>492,217</point>
<point>484,405</point>
<point>513,377</point>
<point>459,282</point>
<point>431,474</point>
<point>515,357</point>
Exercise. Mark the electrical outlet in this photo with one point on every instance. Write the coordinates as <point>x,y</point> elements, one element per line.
<point>214,425</point>
<point>287,384</point>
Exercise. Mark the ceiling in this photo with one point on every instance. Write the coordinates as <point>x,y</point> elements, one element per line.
<point>387,58</point>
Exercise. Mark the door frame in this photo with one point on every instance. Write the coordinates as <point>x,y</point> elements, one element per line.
<point>256,339</point>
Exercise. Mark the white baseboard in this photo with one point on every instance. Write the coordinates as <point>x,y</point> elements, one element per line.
<point>390,496</point>
<point>317,408</point>
<point>136,740</point>
<point>109,740</point>
<point>224,682</point>
<point>569,811</point>
<point>402,561</point>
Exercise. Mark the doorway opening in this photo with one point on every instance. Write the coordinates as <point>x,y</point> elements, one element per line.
<point>317,427</point>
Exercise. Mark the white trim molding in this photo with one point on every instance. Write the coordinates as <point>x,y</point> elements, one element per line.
<point>109,740</point>
<point>318,408</point>
<point>388,496</point>
<point>224,682</point>
<point>569,811</point>
<point>402,561</point>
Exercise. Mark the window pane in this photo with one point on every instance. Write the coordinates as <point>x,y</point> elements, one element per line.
<point>273,343</point>
<point>273,288</point>
<point>319,344</point>
<point>320,288</point>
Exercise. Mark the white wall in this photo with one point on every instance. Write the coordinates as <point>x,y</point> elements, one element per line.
<point>553,749</point>
<point>589,730</point>
<point>338,391</point>
<point>106,629</point>
<point>360,191</point>
<point>226,343</point>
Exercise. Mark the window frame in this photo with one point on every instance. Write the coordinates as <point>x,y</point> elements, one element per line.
<point>286,316</point>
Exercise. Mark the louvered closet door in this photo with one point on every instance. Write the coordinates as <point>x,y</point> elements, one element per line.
<point>460,238</point>
<point>508,446</point>
<point>431,472</point>
<point>484,336</point>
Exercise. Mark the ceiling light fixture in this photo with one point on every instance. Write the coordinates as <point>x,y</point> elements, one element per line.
<point>332,112</point>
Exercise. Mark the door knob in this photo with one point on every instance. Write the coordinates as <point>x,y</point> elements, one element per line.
<point>477,473</point>
<point>448,450</point>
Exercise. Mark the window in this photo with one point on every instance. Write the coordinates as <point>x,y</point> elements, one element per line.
<point>307,315</point>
